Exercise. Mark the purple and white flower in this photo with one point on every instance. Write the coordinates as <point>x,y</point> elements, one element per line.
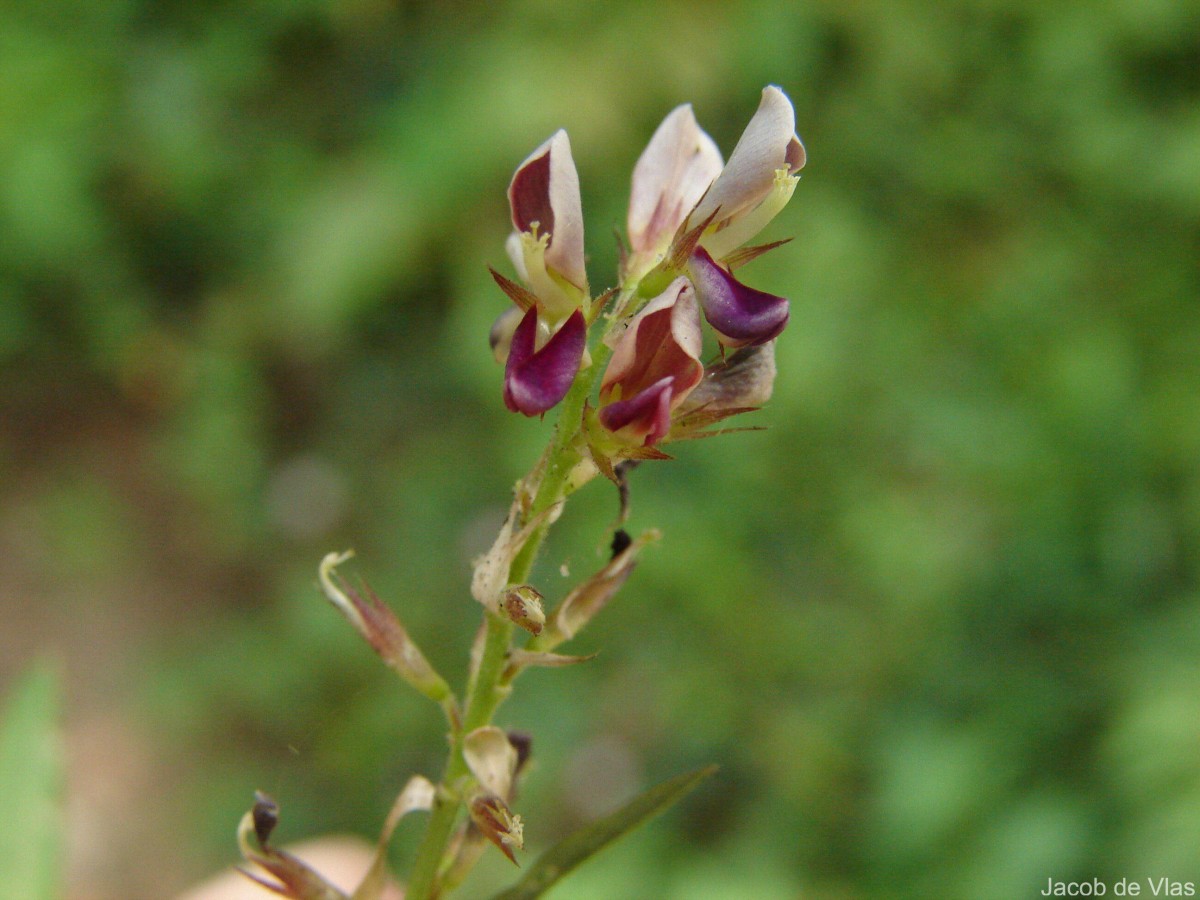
<point>654,366</point>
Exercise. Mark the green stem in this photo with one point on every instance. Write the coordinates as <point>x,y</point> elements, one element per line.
<point>485,691</point>
<point>564,454</point>
<point>482,699</point>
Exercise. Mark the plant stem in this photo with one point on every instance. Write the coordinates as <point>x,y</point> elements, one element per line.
<point>482,699</point>
<point>485,692</point>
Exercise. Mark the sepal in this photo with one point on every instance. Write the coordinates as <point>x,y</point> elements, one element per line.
<point>517,293</point>
<point>743,255</point>
<point>520,660</point>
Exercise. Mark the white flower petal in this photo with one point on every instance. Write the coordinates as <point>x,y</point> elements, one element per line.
<point>545,190</point>
<point>768,143</point>
<point>516,252</point>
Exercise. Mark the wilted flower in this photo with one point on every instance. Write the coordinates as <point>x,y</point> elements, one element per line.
<point>498,824</point>
<point>654,366</point>
<point>524,605</point>
<point>742,380</point>
<point>493,759</point>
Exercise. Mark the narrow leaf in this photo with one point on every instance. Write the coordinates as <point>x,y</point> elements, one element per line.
<point>30,788</point>
<point>562,858</point>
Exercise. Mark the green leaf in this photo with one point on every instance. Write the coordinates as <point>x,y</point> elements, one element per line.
<point>30,784</point>
<point>564,856</point>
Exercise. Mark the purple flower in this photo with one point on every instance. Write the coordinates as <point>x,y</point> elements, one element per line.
<point>537,377</point>
<point>739,314</point>
<point>654,366</point>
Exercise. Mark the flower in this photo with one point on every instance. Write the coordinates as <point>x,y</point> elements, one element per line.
<point>670,177</point>
<point>543,351</point>
<point>654,366</point>
<point>687,212</point>
<point>758,180</point>
<point>546,245</point>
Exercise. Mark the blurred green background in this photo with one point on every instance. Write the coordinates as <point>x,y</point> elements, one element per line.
<point>939,624</point>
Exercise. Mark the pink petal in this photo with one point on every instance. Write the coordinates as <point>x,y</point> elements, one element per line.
<point>645,417</point>
<point>536,380</point>
<point>545,189</point>
<point>674,170</point>
<point>768,143</point>
<point>664,339</point>
<point>739,314</point>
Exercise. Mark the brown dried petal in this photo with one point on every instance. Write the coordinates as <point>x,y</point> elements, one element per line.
<point>587,599</point>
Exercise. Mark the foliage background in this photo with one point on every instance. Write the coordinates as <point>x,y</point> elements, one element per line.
<point>938,624</point>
